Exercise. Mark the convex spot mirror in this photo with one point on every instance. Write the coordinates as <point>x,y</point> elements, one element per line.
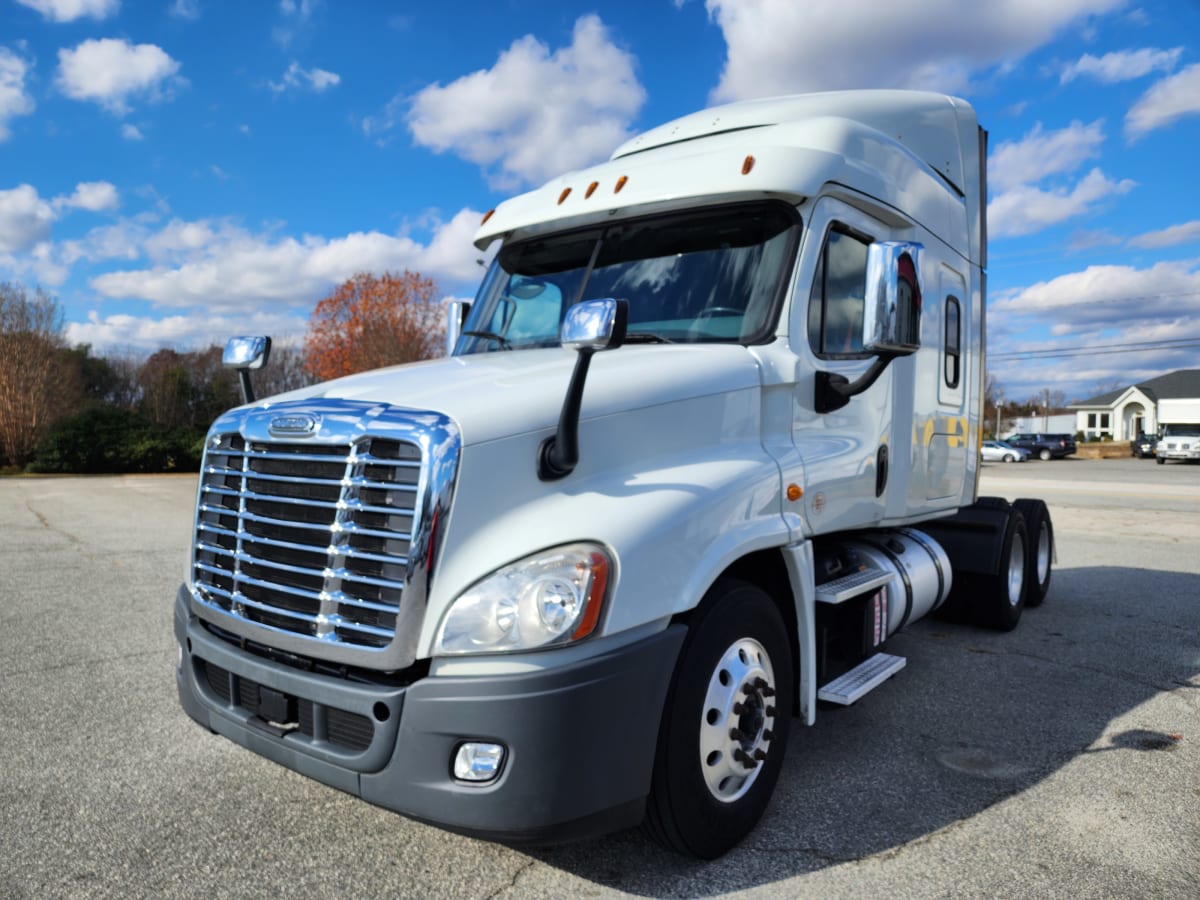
<point>892,315</point>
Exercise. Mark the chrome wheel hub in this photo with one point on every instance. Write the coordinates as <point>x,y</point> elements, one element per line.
<point>737,720</point>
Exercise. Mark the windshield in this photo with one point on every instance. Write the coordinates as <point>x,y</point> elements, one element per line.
<point>1181,430</point>
<point>713,275</point>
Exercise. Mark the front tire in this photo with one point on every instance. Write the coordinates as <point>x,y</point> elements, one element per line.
<point>725,727</point>
<point>1044,454</point>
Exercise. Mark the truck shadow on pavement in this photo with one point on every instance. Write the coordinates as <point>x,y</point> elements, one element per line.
<point>976,718</point>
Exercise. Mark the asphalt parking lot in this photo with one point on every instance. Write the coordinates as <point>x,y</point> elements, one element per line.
<point>1061,760</point>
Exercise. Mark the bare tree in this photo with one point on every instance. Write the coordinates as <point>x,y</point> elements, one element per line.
<point>285,371</point>
<point>34,387</point>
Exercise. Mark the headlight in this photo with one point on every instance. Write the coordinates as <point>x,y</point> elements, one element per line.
<point>553,597</point>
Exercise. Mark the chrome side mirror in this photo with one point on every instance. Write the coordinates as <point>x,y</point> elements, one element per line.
<point>892,314</point>
<point>587,328</point>
<point>244,354</point>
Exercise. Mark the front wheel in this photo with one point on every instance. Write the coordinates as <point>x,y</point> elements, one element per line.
<point>1044,454</point>
<point>726,723</point>
<point>1160,460</point>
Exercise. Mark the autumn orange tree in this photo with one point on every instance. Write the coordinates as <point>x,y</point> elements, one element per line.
<point>371,321</point>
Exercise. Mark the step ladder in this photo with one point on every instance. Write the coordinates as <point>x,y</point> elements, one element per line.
<point>853,585</point>
<point>862,679</point>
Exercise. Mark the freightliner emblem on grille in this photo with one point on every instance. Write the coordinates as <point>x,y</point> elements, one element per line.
<point>294,426</point>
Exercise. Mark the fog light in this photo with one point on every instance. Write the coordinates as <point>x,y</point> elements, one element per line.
<point>478,762</point>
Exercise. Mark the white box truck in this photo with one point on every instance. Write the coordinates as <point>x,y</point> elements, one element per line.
<point>708,438</point>
<point>1178,430</point>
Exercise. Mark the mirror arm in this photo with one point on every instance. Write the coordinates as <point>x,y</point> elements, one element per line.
<point>559,454</point>
<point>247,387</point>
<point>833,391</point>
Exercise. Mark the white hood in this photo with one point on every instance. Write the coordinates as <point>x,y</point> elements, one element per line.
<point>496,395</point>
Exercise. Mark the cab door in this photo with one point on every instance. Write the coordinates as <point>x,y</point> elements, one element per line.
<point>850,454</point>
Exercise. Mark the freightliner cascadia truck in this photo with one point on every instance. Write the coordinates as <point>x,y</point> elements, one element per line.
<point>708,437</point>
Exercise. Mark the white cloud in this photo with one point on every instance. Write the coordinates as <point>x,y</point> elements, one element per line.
<point>222,267</point>
<point>1168,100</point>
<point>70,10</point>
<point>186,9</point>
<point>25,219</point>
<point>14,100</point>
<point>314,79</point>
<point>535,113</point>
<point>1116,295</point>
<point>111,72</point>
<point>1027,209</point>
<point>1124,65</point>
<point>1040,154</point>
<point>296,15</point>
<point>198,329</point>
<point>783,47</point>
<point>1112,305</point>
<point>1168,237</point>
<point>94,196</point>
<point>131,132</point>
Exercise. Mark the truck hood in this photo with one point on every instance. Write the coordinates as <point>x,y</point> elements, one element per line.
<point>497,395</point>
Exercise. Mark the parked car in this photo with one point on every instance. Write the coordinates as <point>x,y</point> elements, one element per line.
<point>1001,451</point>
<point>1044,446</point>
<point>1143,446</point>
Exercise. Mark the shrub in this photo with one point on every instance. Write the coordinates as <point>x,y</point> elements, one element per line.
<point>110,440</point>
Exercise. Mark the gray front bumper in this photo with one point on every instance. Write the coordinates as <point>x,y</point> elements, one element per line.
<point>580,738</point>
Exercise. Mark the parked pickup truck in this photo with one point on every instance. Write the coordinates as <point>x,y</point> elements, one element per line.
<point>1044,446</point>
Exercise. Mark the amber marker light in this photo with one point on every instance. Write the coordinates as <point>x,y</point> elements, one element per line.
<point>620,184</point>
<point>747,165</point>
<point>794,492</point>
<point>591,189</point>
<point>487,215</point>
<point>591,615</point>
<point>564,195</point>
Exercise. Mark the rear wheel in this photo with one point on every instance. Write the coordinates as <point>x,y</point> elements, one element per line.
<point>1044,454</point>
<point>725,727</point>
<point>995,599</point>
<point>1008,457</point>
<point>1039,554</point>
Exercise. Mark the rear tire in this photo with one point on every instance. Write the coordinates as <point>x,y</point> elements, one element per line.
<point>725,726</point>
<point>1043,454</point>
<point>1039,552</point>
<point>1008,457</point>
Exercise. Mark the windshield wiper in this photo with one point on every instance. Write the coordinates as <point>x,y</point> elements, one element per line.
<point>491,336</point>
<point>646,337</point>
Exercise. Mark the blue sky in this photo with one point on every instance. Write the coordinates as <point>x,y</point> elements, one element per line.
<point>183,170</point>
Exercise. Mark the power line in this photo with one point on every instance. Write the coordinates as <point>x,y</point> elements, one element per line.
<point>1098,349</point>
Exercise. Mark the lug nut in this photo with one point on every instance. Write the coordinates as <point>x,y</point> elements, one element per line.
<point>768,691</point>
<point>760,755</point>
<point>738,709</point>
<point>768,734</point>
<point>770,710</point>
<point>736,734</point>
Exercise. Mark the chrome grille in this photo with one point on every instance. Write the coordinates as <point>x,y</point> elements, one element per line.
<point>307,538</point>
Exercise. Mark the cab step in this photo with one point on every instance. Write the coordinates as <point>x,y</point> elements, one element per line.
<point>853,585</point>
<point>862,679</point>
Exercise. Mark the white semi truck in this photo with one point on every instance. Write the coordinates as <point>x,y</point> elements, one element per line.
<point>708,438</point>
<point>1178,430</point>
